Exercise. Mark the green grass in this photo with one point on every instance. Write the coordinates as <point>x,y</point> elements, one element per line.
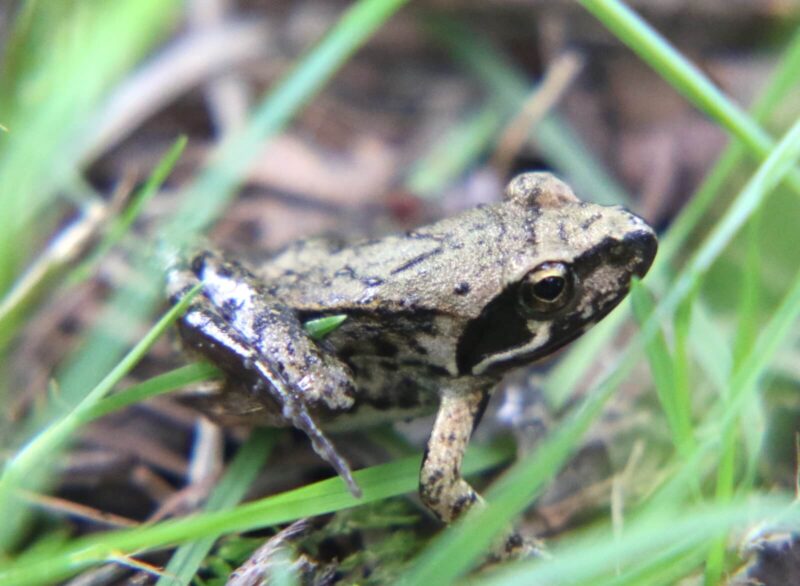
<point>710,321</point>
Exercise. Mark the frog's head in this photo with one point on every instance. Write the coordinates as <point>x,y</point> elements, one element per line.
<point>575,267</point>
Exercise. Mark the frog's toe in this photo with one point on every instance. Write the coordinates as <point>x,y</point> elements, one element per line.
<point>517,546</point>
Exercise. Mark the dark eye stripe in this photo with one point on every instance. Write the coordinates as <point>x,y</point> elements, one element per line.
<point>498,328</point>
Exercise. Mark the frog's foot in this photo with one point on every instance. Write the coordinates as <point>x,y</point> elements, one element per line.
<point>241,342</point>
<point>279,556</point>
<point>516,546</point>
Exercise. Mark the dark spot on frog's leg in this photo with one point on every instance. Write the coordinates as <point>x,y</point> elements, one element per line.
<point>463,502</point>
<point>462,288</point>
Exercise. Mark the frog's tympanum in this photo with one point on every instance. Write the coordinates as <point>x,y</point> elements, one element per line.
<point>435,317</point>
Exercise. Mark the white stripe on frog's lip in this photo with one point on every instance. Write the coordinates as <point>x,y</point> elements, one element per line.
<point>537,340</point>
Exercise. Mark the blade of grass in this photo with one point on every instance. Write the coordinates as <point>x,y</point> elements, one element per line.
<point>709,346</point>
<point>231,489</point>
<point>766,178</point>
<point>319,328</point>
<point>556,139</point>
<point>123,224</point>
<point>158,385</point>
<point>784,78</point>
<point>681,366</point>
<point>327,496</point>
<point>666,567</point>
<point>28,465</point>
<point>726,466</point>
<point>743,386</point>
<point>684,76</point>
<point>749,281</point>
<point>780,162</point>
<point>460,147</point>
<point>663,369</point>
<point>583,561</point>
<point>49,94</point>
<point>105,346</point>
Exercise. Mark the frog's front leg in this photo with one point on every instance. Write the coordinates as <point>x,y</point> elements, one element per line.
<point>441,487</point>
<point>237,324</point>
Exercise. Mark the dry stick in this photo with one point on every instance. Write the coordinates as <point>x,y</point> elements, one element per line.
<point>207,459</point>
<point>226,95</point>
<point>274,555</point>
<point>77,510</point>
<point>70,244</point>
<point>183,65</point>
<point>557,79</point>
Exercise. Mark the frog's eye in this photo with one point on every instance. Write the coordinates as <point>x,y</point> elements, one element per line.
<point>546,288</point>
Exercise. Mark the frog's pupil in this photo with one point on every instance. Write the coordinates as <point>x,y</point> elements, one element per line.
<point>549,288</point>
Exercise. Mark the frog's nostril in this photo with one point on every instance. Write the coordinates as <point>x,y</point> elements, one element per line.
<point>644,244</point>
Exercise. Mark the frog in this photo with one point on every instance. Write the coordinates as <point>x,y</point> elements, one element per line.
<point>434,318</point>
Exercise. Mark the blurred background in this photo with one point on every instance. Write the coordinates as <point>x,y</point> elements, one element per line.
<point>300,123</point>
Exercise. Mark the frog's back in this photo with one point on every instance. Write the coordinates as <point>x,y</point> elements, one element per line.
<point>442,267</point>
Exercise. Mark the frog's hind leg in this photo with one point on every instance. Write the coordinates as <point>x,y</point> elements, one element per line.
<point>261,343</point>
<point>295,410</point>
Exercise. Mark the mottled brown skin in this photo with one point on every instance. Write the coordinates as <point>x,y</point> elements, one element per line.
<point>435,318</point>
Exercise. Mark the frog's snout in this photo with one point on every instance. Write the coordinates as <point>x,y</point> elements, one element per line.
<point>644,245</point>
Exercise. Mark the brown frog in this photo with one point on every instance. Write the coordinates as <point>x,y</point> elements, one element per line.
<point>434,318</point>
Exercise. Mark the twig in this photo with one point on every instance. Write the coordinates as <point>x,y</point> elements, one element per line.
<point>184,64</point>
<point>557,79</point>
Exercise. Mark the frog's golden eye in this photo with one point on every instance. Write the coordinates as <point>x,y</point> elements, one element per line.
<point>546,288</point>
